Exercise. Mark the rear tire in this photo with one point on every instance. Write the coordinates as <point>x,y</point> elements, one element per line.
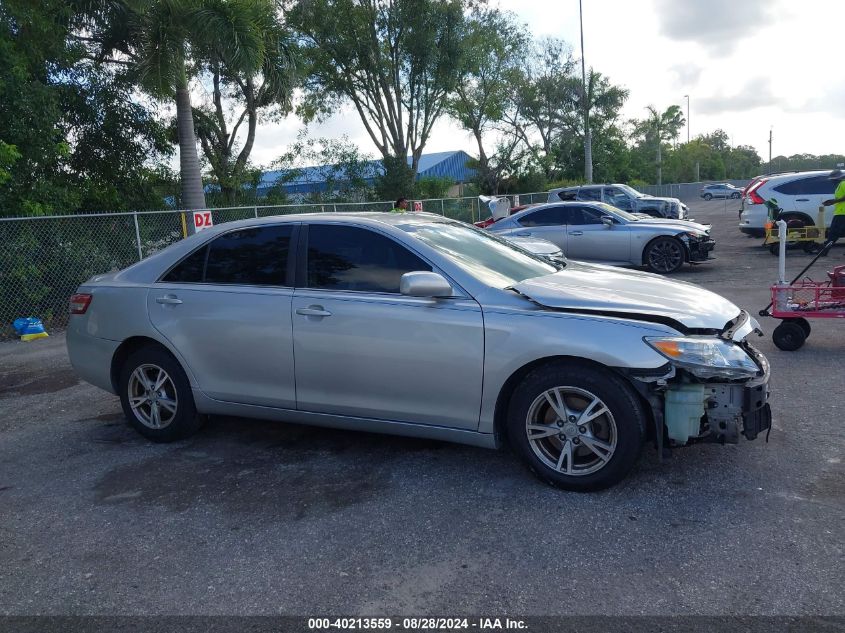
<point>156,396</point>
<point>576,426</point>
<point>708,196</point>
<point>789,335</point>
<point>735,195</point>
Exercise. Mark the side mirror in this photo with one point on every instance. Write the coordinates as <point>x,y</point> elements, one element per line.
<point>608,222</point>
<point>425,284</point>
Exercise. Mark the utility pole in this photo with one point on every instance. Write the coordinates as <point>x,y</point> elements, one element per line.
<point>588,141</point>
<point>770,148</point>
<point>688,121</point>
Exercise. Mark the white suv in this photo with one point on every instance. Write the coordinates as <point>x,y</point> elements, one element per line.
<point>799,194</point>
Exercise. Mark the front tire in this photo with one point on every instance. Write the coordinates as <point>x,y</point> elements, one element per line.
<point>156,396</point>
<point>576,426</point>
<point>664,255</point>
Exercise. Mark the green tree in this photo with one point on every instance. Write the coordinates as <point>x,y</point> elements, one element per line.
<point>79,143</point>
<point>395,61</point>
<point>240,96</point>
<point>657,129</point>
<point>495,53</point>
<point>546,96</point>
<point>164,40</point>
<point>344,173</point>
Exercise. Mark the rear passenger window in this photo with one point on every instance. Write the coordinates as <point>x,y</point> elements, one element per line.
<point>352,258</point>
<point>190,270</point>
<point>256,256</point>
<point>590,193</point>
<point>552,216</point>
<point>807,186</point>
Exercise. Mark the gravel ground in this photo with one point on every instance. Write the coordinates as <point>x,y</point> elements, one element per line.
<point>262,518</point>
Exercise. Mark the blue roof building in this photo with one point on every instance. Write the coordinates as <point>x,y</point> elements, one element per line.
<point>452,165</point>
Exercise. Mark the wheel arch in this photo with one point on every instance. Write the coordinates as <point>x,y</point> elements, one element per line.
<point>684,246</point>
<point>503,400</point>
<point>797,215</point>
<point>131,345</point>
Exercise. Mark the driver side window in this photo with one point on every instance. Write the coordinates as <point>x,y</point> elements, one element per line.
<point>581,216</point>
<point>354,258</point>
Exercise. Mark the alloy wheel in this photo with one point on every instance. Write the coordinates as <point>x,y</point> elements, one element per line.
<point>665,256</point>
<point>152,396</point>
<point>571,430</point>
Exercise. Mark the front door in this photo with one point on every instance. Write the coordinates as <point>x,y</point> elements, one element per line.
<point>589,239</point>
<point>363,349</point>
<point>226,309</point>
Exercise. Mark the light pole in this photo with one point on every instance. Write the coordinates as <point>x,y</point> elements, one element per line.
<point>588,141</point>
<point>687,98</point>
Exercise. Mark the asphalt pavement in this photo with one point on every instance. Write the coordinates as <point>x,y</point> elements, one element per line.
<point>255,517</point>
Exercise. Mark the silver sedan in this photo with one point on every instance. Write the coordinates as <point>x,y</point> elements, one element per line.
<point>599,232</point>
<point>415,325</point>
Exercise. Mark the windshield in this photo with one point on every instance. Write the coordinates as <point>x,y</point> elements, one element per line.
<point>619,213</point>
<point>487,257</point>
<point>631,191</point>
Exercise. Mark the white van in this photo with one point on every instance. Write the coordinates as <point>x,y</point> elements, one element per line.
<point>799,194</point>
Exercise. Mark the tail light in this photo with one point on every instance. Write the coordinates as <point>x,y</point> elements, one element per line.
<point>79,303</point>
<point>752,195</point>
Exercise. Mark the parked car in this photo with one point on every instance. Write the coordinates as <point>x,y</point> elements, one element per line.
<point>625,198</point>
<point>799,194</point>
<point>416,325</point>
<point>537,246</point>
<point>598,232</point>
<point>721,190</point>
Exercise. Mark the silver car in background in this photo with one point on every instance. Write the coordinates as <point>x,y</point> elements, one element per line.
<point>598,232</point>
<point>416,325</point>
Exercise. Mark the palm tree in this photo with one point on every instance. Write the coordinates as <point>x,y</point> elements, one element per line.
<point>660,128</point>
<point>163,40</point>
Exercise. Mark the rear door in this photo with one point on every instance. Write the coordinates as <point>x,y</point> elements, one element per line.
<point>805,194</point>
<point>226,308</point>
<point>548,223</point>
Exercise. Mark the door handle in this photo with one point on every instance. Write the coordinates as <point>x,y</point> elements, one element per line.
<point>523,234</point>
<point>315,311</point>
<point>576,233</point>
<point>169,300</point>
<point>802,199</point>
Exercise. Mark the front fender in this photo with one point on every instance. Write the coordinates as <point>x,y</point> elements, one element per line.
<point>514,339</point>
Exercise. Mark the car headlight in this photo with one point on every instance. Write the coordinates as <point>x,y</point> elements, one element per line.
<point>693,236</point>
<point>706,357</point>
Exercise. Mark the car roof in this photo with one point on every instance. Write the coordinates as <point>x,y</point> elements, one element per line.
<point>795,175</point>
<point>369,218</point>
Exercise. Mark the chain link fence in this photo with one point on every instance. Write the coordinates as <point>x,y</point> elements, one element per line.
<point>44,259</point>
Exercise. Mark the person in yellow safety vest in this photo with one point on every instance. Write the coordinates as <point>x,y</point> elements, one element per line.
<point>400,206</point>
<point>837,225</point>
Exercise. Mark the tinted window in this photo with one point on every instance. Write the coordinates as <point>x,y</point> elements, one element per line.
<point>807,186</point>
<point>584,215</point>
<point>590,193</point>
<point>190,270</point>
<point>550,216</point>
<point>256,256</point>
<point>351,258</point>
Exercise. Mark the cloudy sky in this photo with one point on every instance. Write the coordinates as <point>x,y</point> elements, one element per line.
<point>748,66</point>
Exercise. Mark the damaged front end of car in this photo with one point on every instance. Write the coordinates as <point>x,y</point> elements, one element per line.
<point>713,388</point>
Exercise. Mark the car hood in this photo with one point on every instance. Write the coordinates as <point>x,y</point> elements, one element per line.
<point>593,288</point>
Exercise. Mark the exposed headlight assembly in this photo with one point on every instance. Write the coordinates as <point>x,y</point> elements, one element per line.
<point>706,357</point>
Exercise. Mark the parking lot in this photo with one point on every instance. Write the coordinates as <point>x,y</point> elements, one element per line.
<point>256,517</point>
